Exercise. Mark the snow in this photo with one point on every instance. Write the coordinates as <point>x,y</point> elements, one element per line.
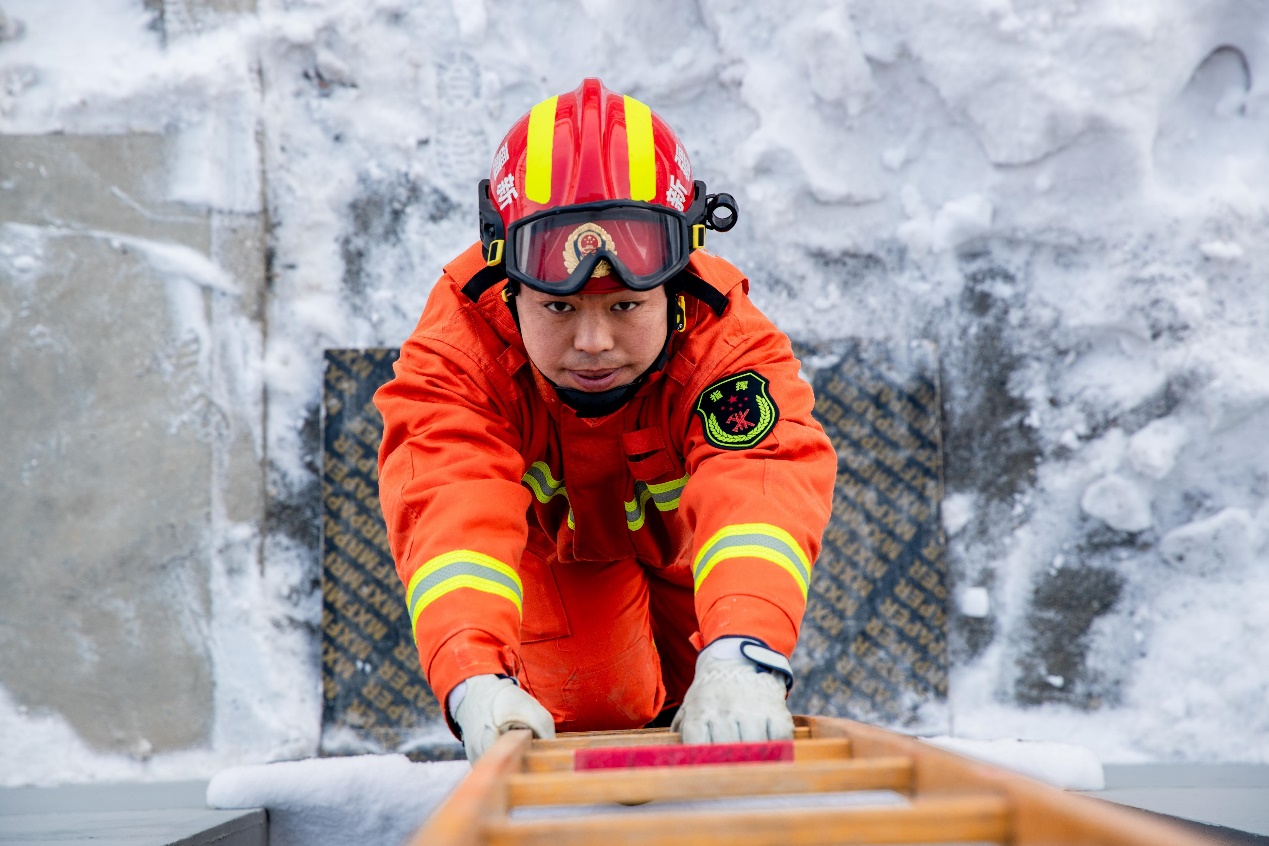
<point>1118,502</point>
<point>1153,450</point>
<point>958,509</point>
<point>1063,765</point>
<point>974,601</point>
<point>1218,545</point>
<point>1221,250</point>
<point>339,801</point>
<point>955,223</point>
<point>1069,197</point>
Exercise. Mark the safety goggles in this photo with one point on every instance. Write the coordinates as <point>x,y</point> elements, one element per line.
<point>558,251</point>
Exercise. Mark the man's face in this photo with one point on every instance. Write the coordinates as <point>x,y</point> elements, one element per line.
<point>593,342</point>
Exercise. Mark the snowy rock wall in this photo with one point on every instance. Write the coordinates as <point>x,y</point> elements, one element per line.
<point>1068,197</point>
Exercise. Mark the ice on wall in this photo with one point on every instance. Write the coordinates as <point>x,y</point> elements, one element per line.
<point>1069,197</point>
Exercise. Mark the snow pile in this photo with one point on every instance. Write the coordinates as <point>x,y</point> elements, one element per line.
<point>1063,765</point>
<point>339,801</point>
<point>1069,197</point>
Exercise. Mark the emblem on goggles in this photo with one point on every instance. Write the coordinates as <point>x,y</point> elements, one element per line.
<point>585,240</point>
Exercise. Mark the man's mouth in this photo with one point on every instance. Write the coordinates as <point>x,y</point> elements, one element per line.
<point>596,380</point>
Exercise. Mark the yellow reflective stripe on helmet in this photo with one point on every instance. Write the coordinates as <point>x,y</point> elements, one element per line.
<point>540,152</point>
<point>643,163</point>
<point>664,495</point>
<point>462,568</point>
<point>754,540</point>
<point>544,486</point>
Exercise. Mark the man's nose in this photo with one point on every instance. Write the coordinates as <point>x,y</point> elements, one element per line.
<point>594,335</point>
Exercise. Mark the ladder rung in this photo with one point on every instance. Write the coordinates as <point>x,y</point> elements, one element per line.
<point>937,819</point>
<point>582,741</point>
<point>549,759</point>
<point>708,782</point>
<point>633,737</point>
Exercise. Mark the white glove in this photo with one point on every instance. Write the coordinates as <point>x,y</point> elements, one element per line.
<point>488,706</point>
<point>738,695</point>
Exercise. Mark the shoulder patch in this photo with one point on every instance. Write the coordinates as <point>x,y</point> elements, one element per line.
<point>737,412</point>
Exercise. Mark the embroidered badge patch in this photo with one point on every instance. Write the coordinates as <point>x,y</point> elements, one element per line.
<point>737,412</point>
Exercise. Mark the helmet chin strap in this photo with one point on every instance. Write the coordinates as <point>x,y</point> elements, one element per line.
<point>588,404</point>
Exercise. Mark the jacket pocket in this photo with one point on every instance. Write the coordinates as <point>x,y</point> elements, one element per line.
<point>544,616</point>
<point>659,534</point>
<point>647,455</point>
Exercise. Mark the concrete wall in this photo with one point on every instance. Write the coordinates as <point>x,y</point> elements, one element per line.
<point>121,454</point>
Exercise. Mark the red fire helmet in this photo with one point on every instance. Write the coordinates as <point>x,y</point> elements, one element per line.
<point>588,145</point>
<point>592,189</point>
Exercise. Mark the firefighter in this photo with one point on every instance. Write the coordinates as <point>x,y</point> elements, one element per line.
<point>602,482</point>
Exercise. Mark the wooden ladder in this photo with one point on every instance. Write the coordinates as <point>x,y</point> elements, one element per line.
<point>927,795</point>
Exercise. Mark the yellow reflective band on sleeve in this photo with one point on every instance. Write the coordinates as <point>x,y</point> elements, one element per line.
<point>635,508</point>
<point>643,164</point>
<point>545,487</point>
<point>462,568</point>
<point>754,540</point>
<point>664,495</point>
<point>540,152</point>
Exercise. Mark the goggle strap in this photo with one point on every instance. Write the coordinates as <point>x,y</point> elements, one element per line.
<point>694,286</point>
<point>483,280</point>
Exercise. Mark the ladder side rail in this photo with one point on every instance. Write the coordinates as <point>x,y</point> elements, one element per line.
<point>479,799</point>
<point>1042,814</point>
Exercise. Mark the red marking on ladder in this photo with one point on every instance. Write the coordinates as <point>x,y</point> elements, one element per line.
<point>613,757</point>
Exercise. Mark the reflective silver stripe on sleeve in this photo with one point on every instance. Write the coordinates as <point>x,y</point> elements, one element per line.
<point>463,568</point>
<point>774,544</point>
<point>634,510</point>
<point>665,496</point>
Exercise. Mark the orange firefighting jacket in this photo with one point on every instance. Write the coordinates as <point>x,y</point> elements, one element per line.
<point>478,451</point>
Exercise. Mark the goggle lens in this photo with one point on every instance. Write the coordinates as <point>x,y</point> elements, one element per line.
<point>646,246</point>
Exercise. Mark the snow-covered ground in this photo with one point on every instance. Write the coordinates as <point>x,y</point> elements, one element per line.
<point>385,798</point>
<point>1069,196</point>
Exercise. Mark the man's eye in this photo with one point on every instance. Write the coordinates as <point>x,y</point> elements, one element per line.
<point>626,306</point>
<point>558,307</point>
